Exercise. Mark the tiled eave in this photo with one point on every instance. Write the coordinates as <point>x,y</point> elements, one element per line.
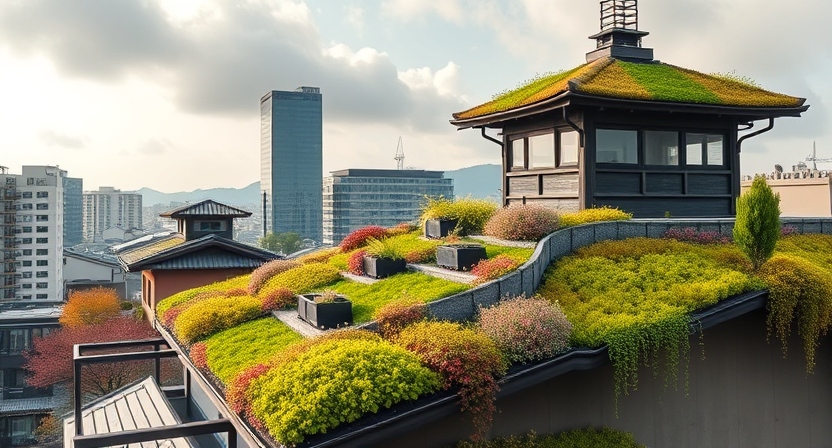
<point>239,256</point>
<point>568,98</point>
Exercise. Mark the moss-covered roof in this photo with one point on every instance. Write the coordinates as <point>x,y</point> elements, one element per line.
<point>645,81</point>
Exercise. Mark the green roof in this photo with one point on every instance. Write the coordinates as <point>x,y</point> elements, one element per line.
<point>644,81</point>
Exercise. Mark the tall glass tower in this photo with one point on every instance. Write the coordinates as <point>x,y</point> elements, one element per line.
<point>291,162</point>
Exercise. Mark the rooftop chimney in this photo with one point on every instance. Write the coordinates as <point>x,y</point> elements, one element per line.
<point>619,36</point>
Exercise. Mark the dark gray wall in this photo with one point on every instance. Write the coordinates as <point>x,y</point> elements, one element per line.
<point>742,393</point>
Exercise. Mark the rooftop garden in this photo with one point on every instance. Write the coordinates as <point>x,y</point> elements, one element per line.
<point>634,296</point>
<point>651,81</point>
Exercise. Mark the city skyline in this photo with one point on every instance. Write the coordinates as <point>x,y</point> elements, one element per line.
<point>133,93</point>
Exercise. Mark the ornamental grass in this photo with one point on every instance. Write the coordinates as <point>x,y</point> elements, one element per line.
<point>471,214</point>
<point>466,359</point>
<point>527,222</point>
<point>526,329</point>
<point>595,214</point>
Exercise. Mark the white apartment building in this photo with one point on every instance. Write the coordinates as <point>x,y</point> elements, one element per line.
<point>31,234</point>
<point>110,208</point>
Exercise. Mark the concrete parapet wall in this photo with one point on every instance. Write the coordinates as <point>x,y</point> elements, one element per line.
<point>526,279</point>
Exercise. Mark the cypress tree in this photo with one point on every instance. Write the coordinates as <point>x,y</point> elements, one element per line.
<point>757,227</point>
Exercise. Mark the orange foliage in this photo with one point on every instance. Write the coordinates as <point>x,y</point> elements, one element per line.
<point>90,307</point>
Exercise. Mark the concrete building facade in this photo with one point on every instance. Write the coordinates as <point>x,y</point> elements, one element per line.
<point>108,208</point>
<point>354,198</point>
<point>803,193</point>
<point>291,161</point>
<point>31,234</point>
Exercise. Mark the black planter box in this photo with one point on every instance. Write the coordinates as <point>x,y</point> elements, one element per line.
<point>383,267</point>
<point>460,257</point>
<point>325,315</point>
<point>439,228</point>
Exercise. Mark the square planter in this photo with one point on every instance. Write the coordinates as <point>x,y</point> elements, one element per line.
<point>325,315</point>
<point>439,228</point>
<point>460,257</point>
<point>383,267</point>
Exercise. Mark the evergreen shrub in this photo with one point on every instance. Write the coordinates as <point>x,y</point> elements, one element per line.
<point>757,226</point>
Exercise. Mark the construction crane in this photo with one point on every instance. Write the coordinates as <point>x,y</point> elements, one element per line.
<point>400,155</point>
<point>814,159</point>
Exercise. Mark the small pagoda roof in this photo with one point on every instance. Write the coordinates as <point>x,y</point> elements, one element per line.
<point>635,84</point>
<point>208,207</point>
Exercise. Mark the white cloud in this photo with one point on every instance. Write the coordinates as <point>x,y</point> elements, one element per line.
<point>444,81</point>
<point>449,10</point>
<point>355,17</point>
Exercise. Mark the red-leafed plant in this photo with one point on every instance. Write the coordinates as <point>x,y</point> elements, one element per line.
<point>357,238</point>
<point>466,359</point>
<point>494,268</point>
<point>277,299</point>
<point>50,359</point>
<point>355,263</point>
<point>199,355</point>
<point>394,316</point>
<point>236,396</point>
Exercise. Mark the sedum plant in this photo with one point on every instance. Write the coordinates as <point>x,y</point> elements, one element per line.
<point>757,227</point>
<point>358,238</point>
<point>595,214</point>
<point>526,329</point>
<point>268,270</point>
<point>527,222</point>
<point>302,397</point>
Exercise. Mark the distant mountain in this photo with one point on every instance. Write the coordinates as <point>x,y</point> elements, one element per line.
<point>230,196</point>
<point>479,181</point>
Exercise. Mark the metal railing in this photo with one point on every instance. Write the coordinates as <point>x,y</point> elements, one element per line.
<point>79,359</point>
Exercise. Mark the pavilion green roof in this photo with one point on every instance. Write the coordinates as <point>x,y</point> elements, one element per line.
<point>643,81</point>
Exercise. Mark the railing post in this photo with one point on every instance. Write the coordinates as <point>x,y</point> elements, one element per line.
<point>232,437</point>
<point>157,365</point>
<point>76,367</point>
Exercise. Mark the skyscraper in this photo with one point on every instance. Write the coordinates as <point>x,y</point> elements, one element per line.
<point>291,161</point>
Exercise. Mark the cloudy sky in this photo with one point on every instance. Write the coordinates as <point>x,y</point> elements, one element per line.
<point>165,94</point>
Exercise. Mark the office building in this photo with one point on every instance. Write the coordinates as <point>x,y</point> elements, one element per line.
<point>355,198</point>
<point>291,161</point>
<point>73,211</point>
<point>109,208</point>
<point>32,234</point>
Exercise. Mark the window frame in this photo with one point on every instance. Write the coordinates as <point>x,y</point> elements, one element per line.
<point>682,133</point>
<point>558,163</point>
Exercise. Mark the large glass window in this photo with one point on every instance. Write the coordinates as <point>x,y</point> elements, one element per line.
<point>542,151</point>
<point>518,151</point>
<point>616,146</point>
<point>661,148</point>
<point>18,340</point>
<point>702,149</point>
<point>569,145</point>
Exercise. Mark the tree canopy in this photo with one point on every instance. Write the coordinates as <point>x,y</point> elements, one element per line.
<point>285,243</point>
<point>89,307</point>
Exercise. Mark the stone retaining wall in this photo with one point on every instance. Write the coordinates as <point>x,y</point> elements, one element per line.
<point>526,279</point>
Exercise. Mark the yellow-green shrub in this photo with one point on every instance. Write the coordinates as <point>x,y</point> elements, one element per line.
<point>213,315</point>
<point>334,383</point>
<point>593,215</point>
<point>472,214</point>
<point>302,279</point>
<point>184,296</point>
<point>800,290</point>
